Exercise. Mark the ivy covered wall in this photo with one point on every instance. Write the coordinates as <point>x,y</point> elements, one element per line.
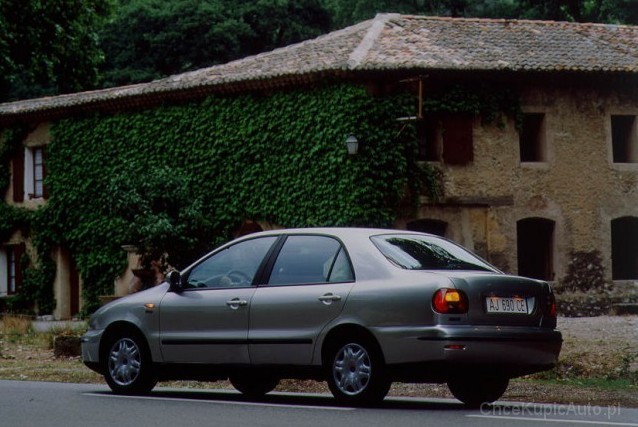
<point>181,178</point>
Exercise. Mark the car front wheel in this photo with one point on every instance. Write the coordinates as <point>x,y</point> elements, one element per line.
<point>357,373</point>
<point>476,390</point>
<point>128,365</point>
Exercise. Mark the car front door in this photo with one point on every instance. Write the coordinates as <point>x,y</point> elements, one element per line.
<point>306,289</point>
<point>207,322</point>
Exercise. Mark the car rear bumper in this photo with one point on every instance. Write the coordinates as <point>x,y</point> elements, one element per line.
<point>514,350</point>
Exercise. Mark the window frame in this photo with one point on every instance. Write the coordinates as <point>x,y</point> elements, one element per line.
<point>267,274</point>
<point>629,146</point>
<point>38,166</point>
<point>12,254</point>
<point>258,272</point>
<point>446,138</point>
<point>34,173</point>
<point>537,141</point>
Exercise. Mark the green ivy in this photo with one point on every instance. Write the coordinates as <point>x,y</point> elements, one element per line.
<point>482,100</point>
<point>181,178</point>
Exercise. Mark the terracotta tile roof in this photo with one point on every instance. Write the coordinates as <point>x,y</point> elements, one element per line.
<point>387,42</point>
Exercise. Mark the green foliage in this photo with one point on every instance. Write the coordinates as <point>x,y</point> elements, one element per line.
<point>49,47</point>
<point>179,179</point>
<point>481,100</point>
<point>11,218</point>
<point>585,273</point>
<point>348,12</point>
<point>149,39</point>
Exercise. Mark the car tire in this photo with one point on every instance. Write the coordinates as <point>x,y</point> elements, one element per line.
<point>128,366</point>
<point>253,386</point>
<point>477,390</point>
<point>356,372</point>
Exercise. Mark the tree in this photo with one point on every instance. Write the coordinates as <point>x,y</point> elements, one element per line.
<point>49,47</point>
<point>150,39</point>
<point>347,12</point>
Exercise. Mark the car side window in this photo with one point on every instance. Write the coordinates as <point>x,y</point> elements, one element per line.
<point>341,270</point>
<point>310,259</point>
<point>232,267</point>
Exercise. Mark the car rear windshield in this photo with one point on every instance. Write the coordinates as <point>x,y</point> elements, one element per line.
<point>418,252</point>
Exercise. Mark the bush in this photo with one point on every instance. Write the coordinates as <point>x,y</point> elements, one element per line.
<point>585,273</point>
<point>583,304</point>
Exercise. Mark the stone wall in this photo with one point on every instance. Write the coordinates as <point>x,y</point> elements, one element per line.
<point>578,186</point>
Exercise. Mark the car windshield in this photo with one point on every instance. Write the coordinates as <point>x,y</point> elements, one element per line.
<point>418,252</point>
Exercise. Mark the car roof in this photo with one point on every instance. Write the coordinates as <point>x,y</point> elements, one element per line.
<point>335,231</point>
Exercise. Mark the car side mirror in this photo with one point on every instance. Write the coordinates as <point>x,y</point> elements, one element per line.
<point>175,281</point>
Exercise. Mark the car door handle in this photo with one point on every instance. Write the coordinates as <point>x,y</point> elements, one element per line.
<point>329,298</point>
<point>235,303</point>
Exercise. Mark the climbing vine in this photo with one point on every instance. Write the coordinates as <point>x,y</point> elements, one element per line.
<point>181,178</point>
<point>178,179</point>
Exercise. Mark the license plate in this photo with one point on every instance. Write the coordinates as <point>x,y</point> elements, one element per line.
<point>514,305</point>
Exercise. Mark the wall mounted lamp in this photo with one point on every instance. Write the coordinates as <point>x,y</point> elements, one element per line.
<point>352,144</point>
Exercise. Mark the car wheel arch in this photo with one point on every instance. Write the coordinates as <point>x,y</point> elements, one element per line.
<point>116,329</point>
<point>344,331</point>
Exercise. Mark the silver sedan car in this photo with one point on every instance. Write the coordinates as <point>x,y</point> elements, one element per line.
<point>358,308</point>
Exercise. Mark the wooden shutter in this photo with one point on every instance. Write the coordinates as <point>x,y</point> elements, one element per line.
<point>18,175</point>
<point>458,146</point>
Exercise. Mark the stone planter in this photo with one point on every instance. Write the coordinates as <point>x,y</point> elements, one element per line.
<point>66,346</point>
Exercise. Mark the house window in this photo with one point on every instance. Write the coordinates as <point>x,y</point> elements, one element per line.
<point>446,138</point>
<point>10,272</point>
<point>535,244</point>
<point>532,138</point>
<point>429,141</point>
<point>34,173</point>
<point>624,138</point>
<point>624,248</point>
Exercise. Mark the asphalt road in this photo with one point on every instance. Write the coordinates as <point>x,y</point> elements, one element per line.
<point>74,405</point>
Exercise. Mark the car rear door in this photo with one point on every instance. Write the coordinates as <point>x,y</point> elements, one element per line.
<point>306,288</point>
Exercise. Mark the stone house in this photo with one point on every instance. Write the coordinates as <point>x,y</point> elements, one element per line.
<point>528,196</point>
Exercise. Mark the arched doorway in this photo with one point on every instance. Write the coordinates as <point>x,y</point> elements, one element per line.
<point>624,248</point>
<point>535,244</point>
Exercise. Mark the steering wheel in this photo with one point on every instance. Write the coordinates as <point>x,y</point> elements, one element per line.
<point>239,278</point>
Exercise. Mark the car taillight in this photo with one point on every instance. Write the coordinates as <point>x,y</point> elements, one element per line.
<point>552,305</point>
<point>450,301</point>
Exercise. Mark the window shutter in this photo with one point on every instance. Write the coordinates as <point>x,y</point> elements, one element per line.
<point>18,175</point>
<point>458,147</point>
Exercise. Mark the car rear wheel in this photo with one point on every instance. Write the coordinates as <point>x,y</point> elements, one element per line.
<point>128,365</point>
<point>476,390</point>
<point>356,372</point>
<point>254,386</point>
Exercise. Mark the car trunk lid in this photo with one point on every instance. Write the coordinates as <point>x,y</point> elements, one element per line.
<point>501,299</point>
